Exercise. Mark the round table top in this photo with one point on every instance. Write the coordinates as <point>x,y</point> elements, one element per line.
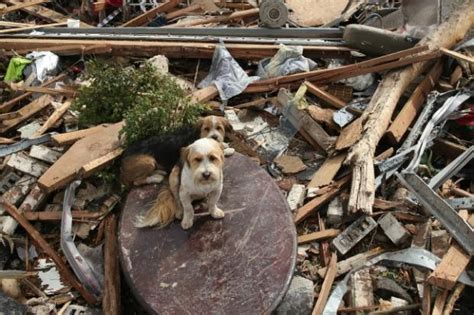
<point>241,264</point>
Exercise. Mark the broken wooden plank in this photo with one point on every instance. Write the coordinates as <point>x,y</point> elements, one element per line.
<point>353,262</point>
<point>362,290</point>
<point>325,96</point>
<point>53,119</point>
<point>326,286</point>
<point>326,172</point>
<point>36,237</point>
<point>26,112</point>
<point>317,236</point>
<point>45,90</point>
<point>96,145</point>
<point>440,301</point>
<point>448,309</point>
<point>409,111</point>
<point>68,50</point>
<point>44,153</point>
<point>450,268</point>
<point>5,107</point>
<point>313,205</point>
<point>17,7</point>
<point>71,137</point>
<point>111,296</point>
<point>150,15</point>
<point>57,215</point>
<point>349,135</point>
<point>94,165</point>
<point>33,27</point>
<point>456,55</point>
<point>205,94</point>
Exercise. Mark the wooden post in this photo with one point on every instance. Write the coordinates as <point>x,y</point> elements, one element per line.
<point>111,297</point>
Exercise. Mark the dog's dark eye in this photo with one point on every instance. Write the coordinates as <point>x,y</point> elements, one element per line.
<point>199,160</point>
<point>206,129</point>
<point>219,128</point>
<point>212,158</point>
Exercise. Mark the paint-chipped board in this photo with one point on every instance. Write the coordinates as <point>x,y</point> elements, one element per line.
<point>326,173</point>
<point>81,153</point>
<point>43,153</point>
<point>318,236</point>
<point>25,164</point>
<point>73,136</point>
<point>449,270</point>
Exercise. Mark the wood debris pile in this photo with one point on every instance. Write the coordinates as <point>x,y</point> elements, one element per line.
<point>367,131</point>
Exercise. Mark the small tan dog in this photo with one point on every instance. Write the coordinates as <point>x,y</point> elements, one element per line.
<point>141,163</point>
<point>198,176</point>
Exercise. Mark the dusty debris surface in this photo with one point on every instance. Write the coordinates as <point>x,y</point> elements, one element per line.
<point>361,111</point>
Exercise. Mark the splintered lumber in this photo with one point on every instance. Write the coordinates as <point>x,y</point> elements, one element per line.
<point>409,111</point>
<point>219,19</point>
<point>170,49</point>
<point>43,13</point>
<point>26,112</point>
<point>45,90</point>
<point>81,153</point>
<point>69,50</point>
<point>448,309</point>
<point>91,167</point>
<point>57,215</point>
<point>14,8</point>
<point>71,137</point>
<point>353,262</point>
<point>318,236</point>
<point>206,94</point>
<point>349,134</point>
<point>326,287</point>
<point>377,116</point>
<point>55,116</point>
<point>440,301</point>
<point>33,27</point>
<point>5,107</point>
<point>456,55</point>
<point>111,297</point>
<point>150,15</point>
<point>450,268</point>
<point>325,96</point>
<point>319,201</point>
<point>326,172</point>
<point>36,237</point>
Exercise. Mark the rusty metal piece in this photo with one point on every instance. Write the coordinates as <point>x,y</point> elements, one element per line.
<point>242,264</point>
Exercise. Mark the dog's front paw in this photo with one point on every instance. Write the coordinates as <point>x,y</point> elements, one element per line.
<point>217,213</point>
<point>179,215</point>
<point>186,224</point>
<point>229,151</point>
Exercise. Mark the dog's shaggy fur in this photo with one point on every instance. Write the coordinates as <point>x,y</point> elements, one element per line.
<point>198,176</point>
<point>142,160</point>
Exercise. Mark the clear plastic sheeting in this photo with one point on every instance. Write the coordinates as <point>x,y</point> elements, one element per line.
<point>45,63</point>
<point>412,256</point>
<point>288,60</point>
<point>226,74</point>
<point>358,83</point>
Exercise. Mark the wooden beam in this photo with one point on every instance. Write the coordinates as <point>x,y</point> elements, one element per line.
<point>440,301</point>
<point>313,205</point>
<point>94,165</point>
<point>33,27</point>
<point>57,215</point>
<point>150,15</point>
<point>68,50</point>
<point>325,96</point>
<point>194,50</point>
<point>318,236</point>
<point>409,111</point>
<point>55,116</point>
<point>456,55</point>
<point>111,297</point>
<point>71,137</point>
<point>326,287</point>
<point>448,309</point>
<point>46,90</point>
<point>36,237</point>
<point>206,94</point>
<point>326,172</point>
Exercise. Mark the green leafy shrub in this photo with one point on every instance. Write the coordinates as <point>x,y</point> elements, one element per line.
<point>149,102</point>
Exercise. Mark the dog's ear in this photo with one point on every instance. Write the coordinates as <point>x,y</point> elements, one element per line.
<point>199,123</point>
<point>185,155</point>
<point>227,125</point>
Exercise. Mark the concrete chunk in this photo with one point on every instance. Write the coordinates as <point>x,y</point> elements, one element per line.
<point>296,196</point>
<point>393,229</point>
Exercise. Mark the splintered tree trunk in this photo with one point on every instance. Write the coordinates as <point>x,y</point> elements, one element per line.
<point>377,116</point>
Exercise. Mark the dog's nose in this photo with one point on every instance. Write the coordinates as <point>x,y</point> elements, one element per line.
<point>215,137</point>
<point>206,175</point>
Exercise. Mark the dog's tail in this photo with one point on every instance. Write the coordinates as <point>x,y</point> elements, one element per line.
<point>161,213</point>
